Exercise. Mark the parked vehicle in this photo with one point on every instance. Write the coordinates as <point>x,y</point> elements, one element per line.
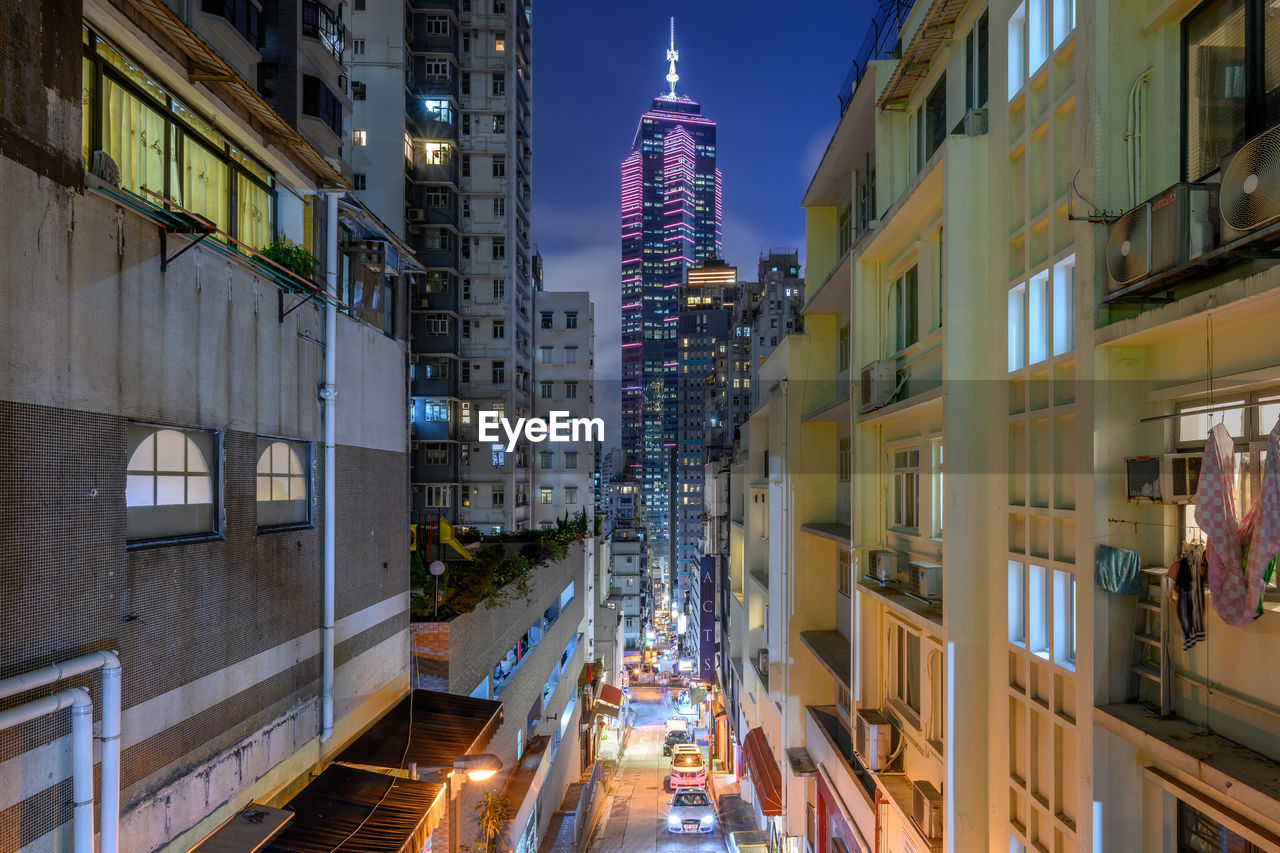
<point>688,770</point>
<point>677,724</point>
<point>674,737</point>
<point>691,811</point>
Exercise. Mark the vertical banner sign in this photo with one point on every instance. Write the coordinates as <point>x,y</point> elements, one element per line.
<point>707,622</point>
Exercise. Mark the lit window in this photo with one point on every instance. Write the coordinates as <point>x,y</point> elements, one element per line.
<point>408,147</point>
<point>500,41</point>
<point>1064,618</point>
<point>1038,318</point>
<point>1017,607</point>
<point>939,475</point>
<point>1016,321</point>
<point>282,481</point>
<point>498,455</point>
<point>1039,24</point>
<point>1064,19</point>
<point>544,495</point>
<point>499,123</point>
<point>359,138</point>
<point>439,109</point>
<point>1064,306</point>
<point>1039,617</point>
<point>434,153</point>
<point>169,488</point>
<point>1017,49</point>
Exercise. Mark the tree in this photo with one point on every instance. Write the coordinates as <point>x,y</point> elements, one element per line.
<point>491,817</point>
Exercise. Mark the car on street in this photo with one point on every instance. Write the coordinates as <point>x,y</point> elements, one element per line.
<point>691,811</point>
<point>675,737</point>
<point>688,770</point>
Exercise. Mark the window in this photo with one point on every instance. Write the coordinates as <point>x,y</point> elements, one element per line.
<point>1232,80</point>
<point>570,460</point>
<point>241,14</point>
<point>544,355</point>
<point>544,495</point>
<point>1064,20</point>
<point>1039,618</point>
<point>499,85</point>
<point>466,131</point>
<point>439,109</point>
<point>499,208</point>
<point>437,496</point>
<point>977,65</point>
<point>546,460</point>
<point>499,7</point>
<point>466,328</point>
<point>499,248</point>
<point>935,114</point>
<point>571,319</point>
<point>844,231</point>
<point>408,147</point>
<point>570,355</point>
<point>546,319</point>
<point>435,197</point>
<point>1038,318</point>
<point>499,328</point>
<point>499,167</point>
<point>466,165</point>
<point>466,83</point>
<point>358,180</point>
<point>1064,306</point>
<point>437,324</point>
<point>357,47</point>
<point>357,90</point>
<point>169,483</point>
<point>906,488</point>
<point>466,207</point>
<point>498,496</point>
<point>904,297</point>
<point>1017,49</point>
<point>570,494</point>
<point>844,354</point>
<point>499,289</point>
<point>499,372</point>
<point>939,476</point>
<point>499,123</point>
<point>905,651</point>
<point>319,102</point>
<point>500,41</point>
<point>545,391</point>
<point>1017,616</point>
<point>571,390</point>
<point>845,459</point>
<point>466,41</point>
<point>436,68</point>
<point>1199,833</point>
<point>465,370</point>
<point>1038,32</point>
<point>466,288</point>
<point>437,25</point>
<point>1017,339</point>
<point>282,480</point>
<point>497,455</point>
<point>845,579</point>
<point>1064,618</point>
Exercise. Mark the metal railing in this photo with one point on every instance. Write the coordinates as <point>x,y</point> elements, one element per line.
<point>881,42</point>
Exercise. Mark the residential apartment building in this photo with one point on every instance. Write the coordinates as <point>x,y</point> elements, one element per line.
<point>204,475</point>
<point>441,136</point>
<point>1040,225</point>
<point>628,585</point>
<point>564,381</point>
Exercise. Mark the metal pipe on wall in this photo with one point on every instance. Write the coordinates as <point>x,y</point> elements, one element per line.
<point>329,394</point>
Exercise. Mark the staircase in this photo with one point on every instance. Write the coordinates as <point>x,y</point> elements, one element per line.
<point>1151,639</point>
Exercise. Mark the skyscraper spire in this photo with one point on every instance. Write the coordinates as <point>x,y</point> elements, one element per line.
<point>672,56</point>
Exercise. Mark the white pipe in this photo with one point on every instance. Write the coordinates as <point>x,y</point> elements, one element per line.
<point>109,663</point>
<point>77,699</point>
<point>329,394</point>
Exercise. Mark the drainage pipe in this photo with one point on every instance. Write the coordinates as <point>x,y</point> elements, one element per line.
<point>329,394</point>
<point>109,663</point>
<point>77,699</point>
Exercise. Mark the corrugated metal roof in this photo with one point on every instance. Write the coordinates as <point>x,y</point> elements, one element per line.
<point>427,727</point>
<point>934,31</point>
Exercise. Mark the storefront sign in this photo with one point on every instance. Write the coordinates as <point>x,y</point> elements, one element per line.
<point>707,622</point>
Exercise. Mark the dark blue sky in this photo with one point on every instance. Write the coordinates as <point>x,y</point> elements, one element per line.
<point>767,74</point>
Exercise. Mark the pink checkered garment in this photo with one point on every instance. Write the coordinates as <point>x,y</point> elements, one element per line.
<point>1235,587</point>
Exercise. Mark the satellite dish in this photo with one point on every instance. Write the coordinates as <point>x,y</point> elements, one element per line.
<point>437,567</point>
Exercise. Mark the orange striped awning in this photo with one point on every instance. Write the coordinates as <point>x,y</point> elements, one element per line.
<point>609,701</point>
<point>765,775</point>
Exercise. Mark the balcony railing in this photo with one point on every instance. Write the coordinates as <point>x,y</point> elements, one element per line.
<point>318,22</point>
<point>880,42</point>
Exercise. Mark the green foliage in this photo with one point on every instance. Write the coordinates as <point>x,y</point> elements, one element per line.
<point>292,257</point>
<point>491,816</point>
<point>500,574</point>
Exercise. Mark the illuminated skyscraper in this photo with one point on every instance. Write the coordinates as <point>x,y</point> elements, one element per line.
<point>670,221</point>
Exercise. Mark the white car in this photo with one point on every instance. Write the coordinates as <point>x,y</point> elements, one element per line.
<point>691,811</point>
<point>688,770</point>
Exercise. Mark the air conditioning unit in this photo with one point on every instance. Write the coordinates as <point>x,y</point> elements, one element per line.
<point>974,122</point>
<point>420,304</point>
<point>883,566</point>
<point>415,229</point>
<point>925,579</point>
<point>1250,191</point>
<point>879,381</point>
<point>1169,478</point>
<point>873,739</point>
<point>416,215</point>
<point>926,809</point>
<point>1168,229</point>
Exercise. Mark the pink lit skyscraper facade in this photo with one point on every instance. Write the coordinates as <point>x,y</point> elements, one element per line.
<point>670,221</point>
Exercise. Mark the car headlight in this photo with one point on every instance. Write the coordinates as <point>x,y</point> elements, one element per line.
<point>708,819</point>
<point>673,819</point>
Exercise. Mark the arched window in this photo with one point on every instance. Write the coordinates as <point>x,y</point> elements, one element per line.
<point>283,480</point>
<point>169,485</point>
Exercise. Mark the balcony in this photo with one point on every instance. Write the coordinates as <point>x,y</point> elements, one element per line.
<point>323,35</point>
<point>827,737</point>
<point>833,651</point>
<point>893,595</point>
<point>838,533</point>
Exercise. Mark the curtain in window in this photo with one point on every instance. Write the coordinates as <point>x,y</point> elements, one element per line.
<point>253,214</point>
<point>205,183</point>
<point>134,135</point>
<point>1215,85</point>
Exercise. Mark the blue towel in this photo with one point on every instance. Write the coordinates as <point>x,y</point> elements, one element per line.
<point>1118,570</point>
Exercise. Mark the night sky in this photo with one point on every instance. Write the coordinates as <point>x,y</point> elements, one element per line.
<point>768,75</point>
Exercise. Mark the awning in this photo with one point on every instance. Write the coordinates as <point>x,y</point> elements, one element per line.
<point>765,775</point>
<point>359,810</point>
<point>427,727</point>
<point>609,702</point>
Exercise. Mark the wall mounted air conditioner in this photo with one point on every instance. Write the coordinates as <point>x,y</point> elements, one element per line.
<point>974,122</point>
<point>1249,198</point>
<point>1169,478</point>
<point>883,566</point>
<point>925,579</point>
<point>926,809</point>
<point>873,739</point>
<point>879,381</point>
<point>420,304</point>
<point>416,215</point>
<point>1168,229</point>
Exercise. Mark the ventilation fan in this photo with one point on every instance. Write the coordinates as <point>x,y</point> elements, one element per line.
<point>1129,247</point>
<point>1250,195</point>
